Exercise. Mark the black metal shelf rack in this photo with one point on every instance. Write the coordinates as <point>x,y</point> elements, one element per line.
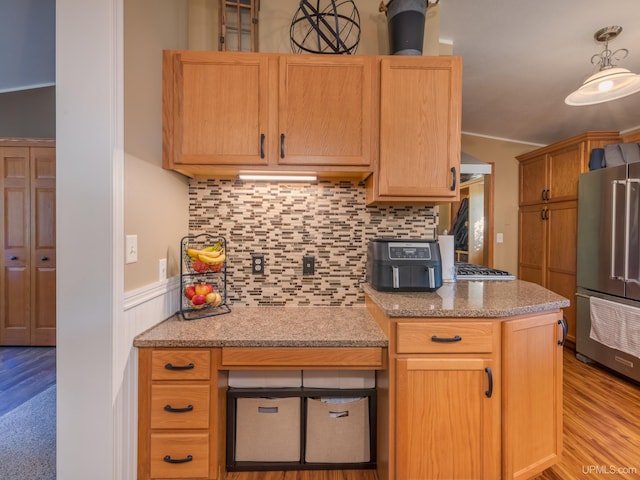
<point>189,276</point>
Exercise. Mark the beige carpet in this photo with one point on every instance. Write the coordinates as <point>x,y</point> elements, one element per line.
<point>28,439</point>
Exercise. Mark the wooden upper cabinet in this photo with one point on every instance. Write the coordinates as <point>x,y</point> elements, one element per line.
<point>551,174</point>
<point>420,110</point>
<point>215,109</point>
<point>228,112</point>
<point>325,110</point>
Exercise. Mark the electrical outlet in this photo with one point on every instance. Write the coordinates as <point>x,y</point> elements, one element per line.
<point>308,265</point>
<point>131,249</point>
<point>257,264</point>
<point>162,269</point>
<point>499,238</point>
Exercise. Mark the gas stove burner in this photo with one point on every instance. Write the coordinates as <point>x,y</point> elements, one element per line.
<point>467,271</point>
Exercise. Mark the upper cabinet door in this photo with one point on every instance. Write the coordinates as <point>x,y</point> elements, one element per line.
<point>533,181</point>
<point>325,110</point>
<point>216,108</point>
<point>420,109</point>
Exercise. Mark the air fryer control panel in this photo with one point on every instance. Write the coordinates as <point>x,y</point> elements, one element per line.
<point>410,251</point>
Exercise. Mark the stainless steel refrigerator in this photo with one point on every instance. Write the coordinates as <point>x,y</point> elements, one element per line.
<point>608,298</point>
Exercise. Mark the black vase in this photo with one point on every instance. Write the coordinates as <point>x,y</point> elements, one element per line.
<point>405,21</point>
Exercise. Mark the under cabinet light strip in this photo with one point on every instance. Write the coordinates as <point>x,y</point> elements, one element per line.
<point>278,178</point>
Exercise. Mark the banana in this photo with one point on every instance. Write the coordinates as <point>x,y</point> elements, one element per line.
<point>193,253</point>
<point>209,260</point>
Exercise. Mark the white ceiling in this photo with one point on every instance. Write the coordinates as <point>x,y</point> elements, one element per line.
<point>520,60</point>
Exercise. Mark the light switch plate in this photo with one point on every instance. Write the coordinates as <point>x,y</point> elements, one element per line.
<point>162,269</point>
<point>131,249</point>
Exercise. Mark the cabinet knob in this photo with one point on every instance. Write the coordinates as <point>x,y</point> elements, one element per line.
<point>44,259</point>
<point>13,257</point>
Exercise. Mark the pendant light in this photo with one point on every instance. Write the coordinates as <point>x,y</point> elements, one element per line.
<point>610,82</point>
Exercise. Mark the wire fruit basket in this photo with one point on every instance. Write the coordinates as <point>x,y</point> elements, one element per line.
<point>203,276</point>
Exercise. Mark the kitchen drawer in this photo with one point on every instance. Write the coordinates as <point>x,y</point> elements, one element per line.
<point>446,337</point>
<point>321,357</point>
<point>189,451</point>
<point>188,364</point>
<point>180,406</point>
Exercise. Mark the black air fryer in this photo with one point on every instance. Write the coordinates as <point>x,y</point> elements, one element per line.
<point>396,265</point>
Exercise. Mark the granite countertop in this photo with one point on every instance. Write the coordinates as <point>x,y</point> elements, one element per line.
<point>270,327</point>
<point>469,298</point>
<point>350,326</point>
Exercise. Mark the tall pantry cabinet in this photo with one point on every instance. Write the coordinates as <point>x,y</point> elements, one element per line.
<point>548,214</point>
<point>28,264</point>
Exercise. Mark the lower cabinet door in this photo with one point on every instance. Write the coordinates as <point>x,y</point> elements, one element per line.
<point>179,455</point>
<point>448,418</point>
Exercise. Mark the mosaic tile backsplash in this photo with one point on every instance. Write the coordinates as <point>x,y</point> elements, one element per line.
<point>285,221</point>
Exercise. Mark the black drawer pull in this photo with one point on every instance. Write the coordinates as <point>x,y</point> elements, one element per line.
<point>44,259</point>
<point>168,459</point>
<point>262,145</point>
<point>453,185</point>
<point>489,392</point>
<point>282,145</point>
<point>435,338</point>
<point>170,366</point>
<point>169,408</point>
<point>563,323</point>
<point>13,257</point>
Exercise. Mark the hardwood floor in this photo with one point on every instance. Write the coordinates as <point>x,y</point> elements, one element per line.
<point>601,432</point>
<point>24,373</point>
<point>601,425</point>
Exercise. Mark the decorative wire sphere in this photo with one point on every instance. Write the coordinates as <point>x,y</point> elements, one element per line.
<point>331,27</point>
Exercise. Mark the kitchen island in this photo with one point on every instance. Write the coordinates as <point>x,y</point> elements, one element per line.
<point>464,374</point>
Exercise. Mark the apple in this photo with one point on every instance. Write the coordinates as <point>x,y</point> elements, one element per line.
<point>204,288</point>
<point>200,267</point>
<point>211,297</point>
<point>190,291</point>
<point>198,299</point>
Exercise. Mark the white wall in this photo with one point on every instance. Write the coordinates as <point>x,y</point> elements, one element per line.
<point>89,222</point>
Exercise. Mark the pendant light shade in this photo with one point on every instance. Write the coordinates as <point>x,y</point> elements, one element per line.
<point>610,82</point>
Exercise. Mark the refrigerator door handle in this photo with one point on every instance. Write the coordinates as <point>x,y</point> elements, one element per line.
<point>627,228</point>
<point>612,272</point>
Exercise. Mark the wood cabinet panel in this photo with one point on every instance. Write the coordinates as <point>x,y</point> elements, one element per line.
<point>565,167</point>
<point>533,180</point>
<point>333,357</point>
<point>450,337</point>
<point>28,290</point>
<point>420,107</point>
<point>188,364</point>
<point>532,245</point>
<point>532,388</point>
<point>180,406</point>
<point>215,108</point>
<point>224,113</point>
<point>547,248</point>
<point>325,110</point>
<point>446,426</point>
<point>191,448</point>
